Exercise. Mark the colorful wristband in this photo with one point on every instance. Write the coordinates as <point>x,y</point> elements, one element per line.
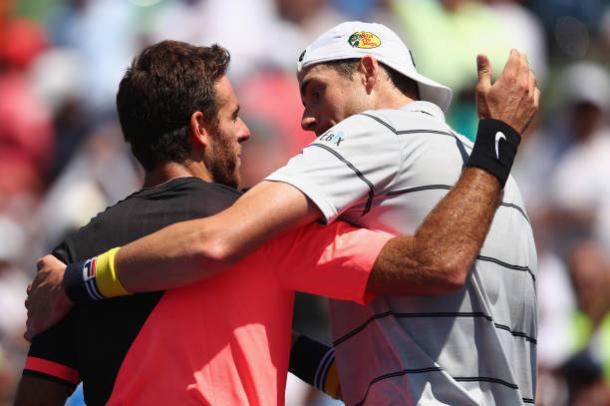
<point>93,279</point>
<point>314,363</point>
<point>327,376</point>
<point>495,148</point>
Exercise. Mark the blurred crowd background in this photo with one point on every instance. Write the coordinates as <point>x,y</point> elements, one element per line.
<point>63,159</point>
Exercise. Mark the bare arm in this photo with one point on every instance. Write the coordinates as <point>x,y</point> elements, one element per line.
<point>34,391</point>
<point>438,257</point>
<point>195,249</point>
<point>198,248</point>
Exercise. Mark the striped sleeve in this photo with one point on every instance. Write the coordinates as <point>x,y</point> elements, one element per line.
<point>344,167</point>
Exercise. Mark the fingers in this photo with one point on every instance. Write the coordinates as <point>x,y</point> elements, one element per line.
<point>48,261</point>
<point>484,72</point>
<point>532,85</point>
<point>524,66</point>
<point>511,68</point>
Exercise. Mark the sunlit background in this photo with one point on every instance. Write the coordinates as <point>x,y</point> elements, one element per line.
<point>63,159</point>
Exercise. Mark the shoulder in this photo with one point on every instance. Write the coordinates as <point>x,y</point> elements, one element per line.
<point>152,208</point>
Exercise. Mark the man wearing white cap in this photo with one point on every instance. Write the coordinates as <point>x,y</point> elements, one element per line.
<point>474,346</point>
<point>383,159</point>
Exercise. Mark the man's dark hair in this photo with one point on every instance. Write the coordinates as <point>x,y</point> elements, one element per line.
<point>407,86</point>
<point>162,88</point>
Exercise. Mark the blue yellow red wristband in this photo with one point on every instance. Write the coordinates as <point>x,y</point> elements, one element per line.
<point>327,375</point>
<point>93,279</point>
<point>314,363</point>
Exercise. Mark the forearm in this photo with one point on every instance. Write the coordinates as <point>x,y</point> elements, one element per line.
<point>34,391</point>
<point>438,257</point>
<point>171,257</point>
<point>193,250</point>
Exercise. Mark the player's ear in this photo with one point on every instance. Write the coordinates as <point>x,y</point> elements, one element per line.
<point>369,70</point>
<point>198,129</point>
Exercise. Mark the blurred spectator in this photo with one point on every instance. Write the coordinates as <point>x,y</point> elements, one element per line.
<point>26,132</point>
<point>590,329</point>
<point>445,37</point>
<point>13,283</point>
<point>581,376</point>
<point>556,305</point>
<point>586,385</point>
<point>26,153</point>
<point>261,34</point>
<point>101,172</point>
<point>580,187</point>
<point>282,108</point>
<point>605,30</point>
<point>534,165</point>
<point>102,33</point>
<point>58,83</point>
<point>264,152</point>
<point>12,280</point>
<point>526,33</point>
<point>63,93</point>
<point>571,25</point>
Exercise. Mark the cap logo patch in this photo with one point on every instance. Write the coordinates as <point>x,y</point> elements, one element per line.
<point>364,40</point>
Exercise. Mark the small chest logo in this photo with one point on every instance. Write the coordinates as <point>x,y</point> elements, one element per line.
<point>332,137</point>
<point>364,40</point>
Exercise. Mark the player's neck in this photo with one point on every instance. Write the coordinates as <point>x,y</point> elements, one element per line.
<point>392,100</point>
<point>171,170</point>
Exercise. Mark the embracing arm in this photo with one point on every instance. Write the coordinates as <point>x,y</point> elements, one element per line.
<point>438,257</point>
<point>192,250</point>
<point>199,248</point>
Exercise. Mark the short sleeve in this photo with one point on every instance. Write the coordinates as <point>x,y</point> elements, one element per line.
<point>334,261</point>
<point>52,354</point>
<point>344,167</point>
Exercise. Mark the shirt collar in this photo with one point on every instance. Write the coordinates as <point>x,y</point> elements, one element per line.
<point>424,107</point>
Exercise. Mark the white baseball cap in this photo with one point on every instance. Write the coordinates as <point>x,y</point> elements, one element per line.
<point>355,39</point>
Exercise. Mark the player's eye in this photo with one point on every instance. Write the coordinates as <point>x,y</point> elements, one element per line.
<point>316,93</point>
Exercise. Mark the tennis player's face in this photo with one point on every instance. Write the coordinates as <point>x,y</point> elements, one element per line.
<point>328,98</point>
<point>224,159</point>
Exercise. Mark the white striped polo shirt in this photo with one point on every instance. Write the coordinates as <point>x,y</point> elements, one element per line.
<point>386,169</point>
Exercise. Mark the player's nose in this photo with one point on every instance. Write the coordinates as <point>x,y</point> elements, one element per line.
<point>244,132</point>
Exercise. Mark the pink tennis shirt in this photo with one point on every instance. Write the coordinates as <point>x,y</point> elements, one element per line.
<point>226,340</point>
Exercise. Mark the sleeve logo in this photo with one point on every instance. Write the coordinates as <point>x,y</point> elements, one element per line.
<point>364,40</point>
<point>332,137</point>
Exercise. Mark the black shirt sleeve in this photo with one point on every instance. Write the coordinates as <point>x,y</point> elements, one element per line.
<point>56,347</point>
